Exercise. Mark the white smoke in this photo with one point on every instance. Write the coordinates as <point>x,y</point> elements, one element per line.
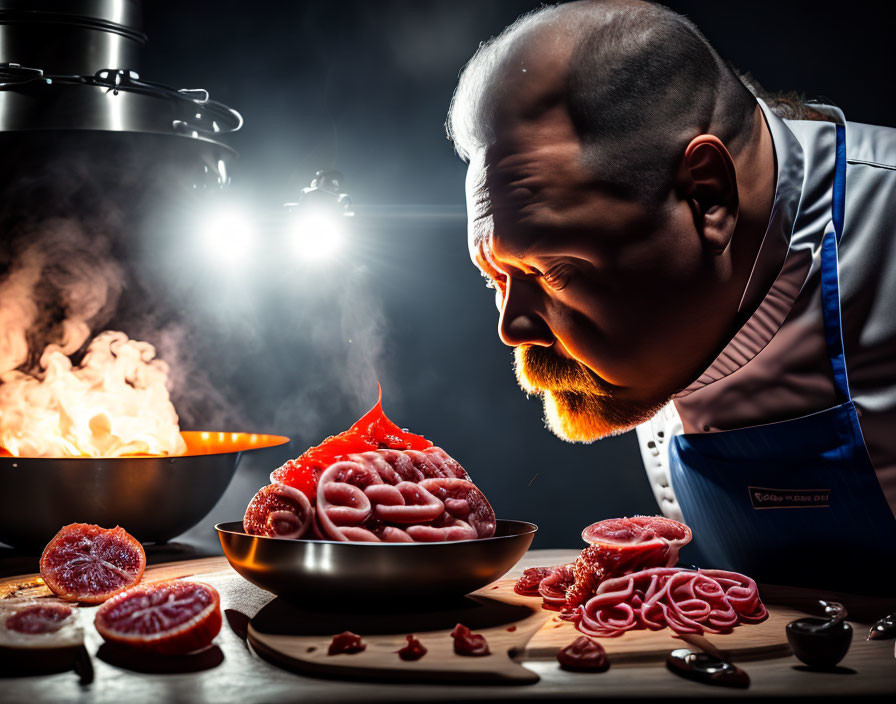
<point>62,283</point>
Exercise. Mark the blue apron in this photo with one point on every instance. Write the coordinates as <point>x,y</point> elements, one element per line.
<point>795,502</point>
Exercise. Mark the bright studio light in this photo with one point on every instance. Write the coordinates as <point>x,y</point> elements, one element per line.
<point>227,235</point>
<point>317,236</point>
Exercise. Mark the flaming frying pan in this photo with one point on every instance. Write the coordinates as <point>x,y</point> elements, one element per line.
<point>153,497</point>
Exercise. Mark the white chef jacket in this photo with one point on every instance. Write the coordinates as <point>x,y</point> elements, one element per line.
<point>776,366</point>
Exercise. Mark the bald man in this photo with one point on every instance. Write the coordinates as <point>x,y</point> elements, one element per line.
<point>671,251</point>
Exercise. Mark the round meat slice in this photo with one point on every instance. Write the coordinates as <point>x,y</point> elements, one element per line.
<point>168,618</point>
<point>619,546</point>
<point>653,539</point>
<point>278,511</point>
<point>38,625</point>
<point>87,563</point>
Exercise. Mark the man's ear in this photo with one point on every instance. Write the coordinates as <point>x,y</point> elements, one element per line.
<point>712,191</point>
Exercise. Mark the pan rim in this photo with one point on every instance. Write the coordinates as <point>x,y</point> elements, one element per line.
<point>270,441</point>
<point>530,529</point>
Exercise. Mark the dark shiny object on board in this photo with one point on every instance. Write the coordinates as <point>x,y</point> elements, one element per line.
<point>84,666</point>
<point>821,642</point>
<point>312,571</point>
<point>885,629</point>
<point>34,662</point>
<point>153,498</point>
<point>706,668</point>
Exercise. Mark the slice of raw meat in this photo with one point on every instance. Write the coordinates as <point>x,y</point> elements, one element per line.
<point>618,546</point>
<point>87,563</point>
<point>169,618</point>
<point>640,534</point>
<point>278,511</point>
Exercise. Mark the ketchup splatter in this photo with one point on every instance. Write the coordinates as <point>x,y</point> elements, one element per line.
<point>346,642</point>
<point>372,431</point>
<point>583,655</point>
<point>468,643</point>
<point>414,650</point>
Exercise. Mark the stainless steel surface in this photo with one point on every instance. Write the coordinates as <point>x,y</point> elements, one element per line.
<point>71,65</point>
<point>71,36</point>
<point>321,570</point>
<point>153,498</point>
<point>39,105</point>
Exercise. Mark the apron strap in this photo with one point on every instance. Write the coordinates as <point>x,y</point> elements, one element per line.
<point>830,285</point>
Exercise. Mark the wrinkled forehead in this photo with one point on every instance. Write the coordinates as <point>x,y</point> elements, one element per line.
<point>510,184</point>
<point>482,196</point>
<point>479,218</point>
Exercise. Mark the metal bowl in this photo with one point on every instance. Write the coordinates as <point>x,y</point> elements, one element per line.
<point>327,570</point>
<point>153,498</point>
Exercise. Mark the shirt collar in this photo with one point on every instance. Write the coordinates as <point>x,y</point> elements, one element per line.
<point>774,304</point>
<point>788,187</point>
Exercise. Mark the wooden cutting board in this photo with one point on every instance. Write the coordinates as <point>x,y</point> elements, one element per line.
<point>515,627</point>
<point>298,639</point>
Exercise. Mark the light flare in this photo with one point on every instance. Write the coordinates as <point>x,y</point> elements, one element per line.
<point>317,236</point>
<point>228,235</point>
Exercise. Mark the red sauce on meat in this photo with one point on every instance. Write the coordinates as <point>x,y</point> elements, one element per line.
<point>468,643</point>
<point>346,642</point>
<point>373,431</point>
<point>414,650</point>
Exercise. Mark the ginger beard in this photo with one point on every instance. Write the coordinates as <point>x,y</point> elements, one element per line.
<point>579,406</point>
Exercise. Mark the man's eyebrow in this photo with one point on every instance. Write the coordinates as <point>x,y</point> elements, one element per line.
<point>485,262</point>
<point>495,268</point>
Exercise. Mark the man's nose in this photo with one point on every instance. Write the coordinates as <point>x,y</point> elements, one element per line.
<point>520,323</point>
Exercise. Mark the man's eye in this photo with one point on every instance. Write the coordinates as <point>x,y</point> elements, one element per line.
<point>558,277</point>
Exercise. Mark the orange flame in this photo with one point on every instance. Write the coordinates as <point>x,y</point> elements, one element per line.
<point>115,403</point>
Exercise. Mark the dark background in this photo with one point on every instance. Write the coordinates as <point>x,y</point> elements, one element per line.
<point>271,345</point>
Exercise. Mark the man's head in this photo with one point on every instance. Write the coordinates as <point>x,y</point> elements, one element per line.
<point>612,155</point>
